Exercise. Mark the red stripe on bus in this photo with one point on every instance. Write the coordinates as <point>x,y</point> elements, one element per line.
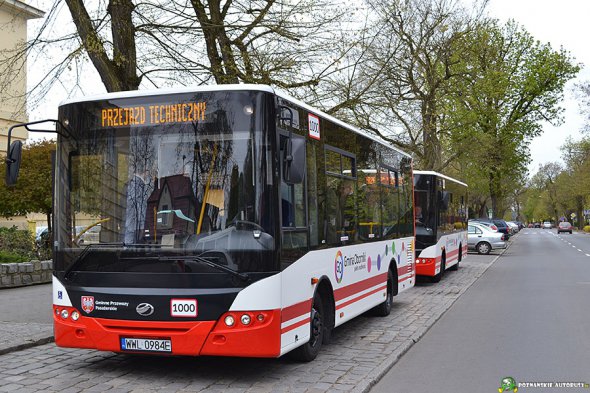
<point>356,299</point>
<point>295,325</point>
<point>404,279</point>
<point>360,286</point>
<point>453,252</point>
<point>295,310</point>
<point>404,270</point>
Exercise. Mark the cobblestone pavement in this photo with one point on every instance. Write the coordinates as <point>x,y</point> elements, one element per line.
<point>361,351</point>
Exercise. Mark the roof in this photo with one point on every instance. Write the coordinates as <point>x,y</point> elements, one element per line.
<point>19,8</point>
<point>235,87</point>
<point>433,173</point>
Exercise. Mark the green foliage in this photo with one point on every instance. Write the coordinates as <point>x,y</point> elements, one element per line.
<point>512,84</point>
<point>587,228</point>
<point>11,257</point>
<point>32,192</point>
<point>15,244</point>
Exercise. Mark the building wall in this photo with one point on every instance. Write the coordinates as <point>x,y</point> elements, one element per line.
<point>13,85</point>
<point>13,77</point>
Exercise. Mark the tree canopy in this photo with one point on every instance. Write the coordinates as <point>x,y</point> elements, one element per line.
<point>33,191</point>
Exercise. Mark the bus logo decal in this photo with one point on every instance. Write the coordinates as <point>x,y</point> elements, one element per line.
<point>87,304</point>
<point>339,267</point>
<point>145,309</point>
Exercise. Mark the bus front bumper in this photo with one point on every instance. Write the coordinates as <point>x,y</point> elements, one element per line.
<point>191,338</point>
<point>427,266</point>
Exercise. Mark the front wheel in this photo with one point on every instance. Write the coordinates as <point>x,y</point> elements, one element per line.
<point>308,351</point>
<point>483,248</point>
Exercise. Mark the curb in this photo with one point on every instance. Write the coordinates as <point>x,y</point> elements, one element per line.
<point>31,343</point>
<point>375,376</point>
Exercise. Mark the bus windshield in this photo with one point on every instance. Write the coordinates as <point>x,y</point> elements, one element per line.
<point>166,184</point>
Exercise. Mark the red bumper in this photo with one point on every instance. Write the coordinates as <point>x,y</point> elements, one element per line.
<point>427,266</point>
<point>258,339</point>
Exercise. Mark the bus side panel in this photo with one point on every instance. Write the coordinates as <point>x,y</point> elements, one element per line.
<point>358,276</point>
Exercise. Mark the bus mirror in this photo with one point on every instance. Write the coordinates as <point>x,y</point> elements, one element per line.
<point>13,161</point>
<point>295,161</point>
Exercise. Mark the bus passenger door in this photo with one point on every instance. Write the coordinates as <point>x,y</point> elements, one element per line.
<point>294,233</point>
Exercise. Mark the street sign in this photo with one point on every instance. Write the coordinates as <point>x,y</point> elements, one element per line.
<point>573,215</point>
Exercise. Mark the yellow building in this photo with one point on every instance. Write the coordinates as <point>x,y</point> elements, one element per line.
<point>14,15</point>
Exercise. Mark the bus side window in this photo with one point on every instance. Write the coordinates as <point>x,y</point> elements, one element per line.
<point>340,198</point>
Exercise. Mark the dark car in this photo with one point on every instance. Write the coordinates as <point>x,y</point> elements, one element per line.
<point>564,227</point>
<point>500,224</point>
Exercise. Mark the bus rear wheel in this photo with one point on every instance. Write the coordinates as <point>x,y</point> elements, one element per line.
<point>308,351</point>
<point>384,309</point>
<point>459,257</point>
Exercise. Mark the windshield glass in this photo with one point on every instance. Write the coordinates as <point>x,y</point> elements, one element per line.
<point>150,178</point>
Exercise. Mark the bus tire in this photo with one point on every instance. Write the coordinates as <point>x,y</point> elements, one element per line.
<point>455,267</point>
<point>438,277</point>
<point>384,309</point>
<point>309,351</point>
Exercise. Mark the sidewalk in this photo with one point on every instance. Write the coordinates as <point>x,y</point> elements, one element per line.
<point>16,336</point>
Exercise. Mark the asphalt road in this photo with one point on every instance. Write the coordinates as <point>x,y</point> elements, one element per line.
<point>26,304</point>
<point>527,317</point>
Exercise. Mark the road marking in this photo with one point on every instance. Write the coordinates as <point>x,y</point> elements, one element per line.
<point>588,255</point>
<point>579,250</point>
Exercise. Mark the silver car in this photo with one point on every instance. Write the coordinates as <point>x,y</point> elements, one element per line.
<point>483,239</point>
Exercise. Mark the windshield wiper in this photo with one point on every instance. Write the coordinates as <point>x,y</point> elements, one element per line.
<point>85,252</point>
<point>92,246</point>
<point>208,262</point>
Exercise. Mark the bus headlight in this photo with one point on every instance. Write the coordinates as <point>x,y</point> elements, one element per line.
<point>229,320</point>
<point>245,319</point>
<point>65,314</point>
<point>75,315</point>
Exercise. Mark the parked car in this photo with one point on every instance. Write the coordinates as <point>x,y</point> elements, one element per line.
<point>483,239</point>
<point>564,227</point>
<point>499,223</point>
<point>547,225</point>
<point>531,225</point>
<point>537,225</point>
<point>486,223</point>
<point>89,235</point>
<point>514,226</point>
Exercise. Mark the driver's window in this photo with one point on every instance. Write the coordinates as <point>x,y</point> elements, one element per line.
<point>293,216</point>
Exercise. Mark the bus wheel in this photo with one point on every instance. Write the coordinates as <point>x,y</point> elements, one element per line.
<point>308,351</point>
<point>456,265</point>
<point>438,277</point>
<point>384,309</point>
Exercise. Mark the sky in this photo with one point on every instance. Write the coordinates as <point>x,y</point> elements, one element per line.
<point>563,23</point>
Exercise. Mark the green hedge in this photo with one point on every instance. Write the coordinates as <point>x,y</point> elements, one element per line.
<point>587,228</point>
<point>16,244</point>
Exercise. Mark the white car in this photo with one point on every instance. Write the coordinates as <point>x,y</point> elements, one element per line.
<point>483,239</point>
<point>513,226</point>
<point>547,225</point>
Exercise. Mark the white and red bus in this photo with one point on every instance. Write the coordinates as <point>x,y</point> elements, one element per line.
<point>234,221</point>
<point>441,223</point>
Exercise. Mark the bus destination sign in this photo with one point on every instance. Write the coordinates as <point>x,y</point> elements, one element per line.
<point>145,115</point>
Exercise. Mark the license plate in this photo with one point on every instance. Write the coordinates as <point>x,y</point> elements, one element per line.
<point>146,345</point>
